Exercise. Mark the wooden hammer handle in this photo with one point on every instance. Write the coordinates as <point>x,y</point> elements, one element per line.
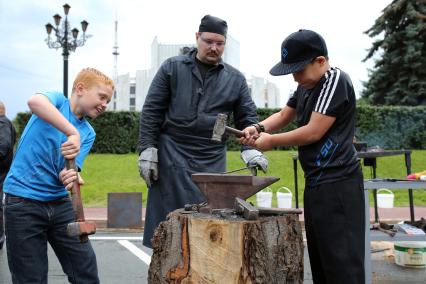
<point>75,193</point>
<point>236,132</point>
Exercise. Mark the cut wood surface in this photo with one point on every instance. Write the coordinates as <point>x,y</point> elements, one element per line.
<point>205,248</point>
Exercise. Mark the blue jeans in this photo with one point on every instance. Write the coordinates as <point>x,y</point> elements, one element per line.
<point>30,224</point>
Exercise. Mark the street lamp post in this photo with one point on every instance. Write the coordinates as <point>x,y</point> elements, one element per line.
<point>65,39</point>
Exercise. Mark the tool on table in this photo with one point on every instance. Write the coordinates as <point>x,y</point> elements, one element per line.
<point>379,250</point>
<point>382,227</point>
<point>220,129</point>
<point>80,227</point>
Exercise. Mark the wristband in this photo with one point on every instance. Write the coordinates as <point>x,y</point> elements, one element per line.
<point>259,127</point>
<point>262,127</point>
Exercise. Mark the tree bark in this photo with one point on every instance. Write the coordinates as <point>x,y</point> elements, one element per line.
<point>205,248</point>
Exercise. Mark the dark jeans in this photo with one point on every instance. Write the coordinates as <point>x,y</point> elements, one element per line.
<point>335,231</point>
<point>29,226</point>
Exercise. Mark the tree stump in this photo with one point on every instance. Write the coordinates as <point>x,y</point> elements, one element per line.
<point>205,248</point>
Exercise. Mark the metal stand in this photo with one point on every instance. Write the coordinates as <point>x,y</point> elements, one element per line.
<point>377,235</point>
<point>370,159</point>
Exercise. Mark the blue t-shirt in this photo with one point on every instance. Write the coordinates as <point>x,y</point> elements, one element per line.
<point>38,160</point>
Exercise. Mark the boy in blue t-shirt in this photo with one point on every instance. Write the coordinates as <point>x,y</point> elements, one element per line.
<point>37,206</point>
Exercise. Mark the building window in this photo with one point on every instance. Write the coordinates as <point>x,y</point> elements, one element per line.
<point>132,101</point>
<point>132,89</point>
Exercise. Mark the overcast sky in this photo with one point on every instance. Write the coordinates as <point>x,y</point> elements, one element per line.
<point>27,65</point>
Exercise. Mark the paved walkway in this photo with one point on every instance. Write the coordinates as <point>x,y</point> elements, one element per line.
<point>389,215</point>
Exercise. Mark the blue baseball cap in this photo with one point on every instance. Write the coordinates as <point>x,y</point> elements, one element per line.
<point>298,50</point>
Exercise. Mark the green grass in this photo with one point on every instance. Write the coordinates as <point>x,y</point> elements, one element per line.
<point>104,173</point>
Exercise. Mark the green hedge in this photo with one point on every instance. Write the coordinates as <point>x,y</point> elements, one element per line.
<point>116,132</point>
<point>386,127</point>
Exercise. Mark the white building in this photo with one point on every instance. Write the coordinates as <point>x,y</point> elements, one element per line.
<point>264,93</point>
<point>131,91</point>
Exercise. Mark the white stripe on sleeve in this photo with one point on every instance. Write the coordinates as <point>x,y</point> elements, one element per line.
<point>320,98</point>
<point>332,91</point>
<point>327,91</point>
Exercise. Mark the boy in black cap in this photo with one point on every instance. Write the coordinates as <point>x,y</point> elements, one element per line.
<point>177,120</point>
<point>324,107</point>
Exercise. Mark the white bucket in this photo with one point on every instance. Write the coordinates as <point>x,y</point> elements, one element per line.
<point>284,198</point>
<point>264,198</point>
<point>410,254</point>
<point>385,200</point>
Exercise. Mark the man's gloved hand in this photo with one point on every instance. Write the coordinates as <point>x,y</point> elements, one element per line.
<point>253,157</point>
<point>148,165</point>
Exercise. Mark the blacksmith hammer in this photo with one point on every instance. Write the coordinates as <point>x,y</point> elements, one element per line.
<point>251,212</point>
<point>80,227</point>
<point>220,128</point>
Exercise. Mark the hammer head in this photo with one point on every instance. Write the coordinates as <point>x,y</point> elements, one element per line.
<point>219,127</point>
<point>81,228</point>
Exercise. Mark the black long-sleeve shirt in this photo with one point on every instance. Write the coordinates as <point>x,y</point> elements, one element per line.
<point>180,102</point>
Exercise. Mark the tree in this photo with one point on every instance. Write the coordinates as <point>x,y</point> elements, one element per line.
<point>399,75</point>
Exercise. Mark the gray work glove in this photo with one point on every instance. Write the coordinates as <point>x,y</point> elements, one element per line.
<point>148,165</point>
<point>253,157</point>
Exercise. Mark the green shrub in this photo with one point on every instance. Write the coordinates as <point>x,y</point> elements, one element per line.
<point>385,126</point>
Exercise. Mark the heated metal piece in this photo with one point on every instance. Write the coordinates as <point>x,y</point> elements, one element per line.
<point>220,190</point>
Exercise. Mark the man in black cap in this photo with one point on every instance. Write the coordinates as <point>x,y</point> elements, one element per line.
<point>177,120</point>
<point>324,107</point>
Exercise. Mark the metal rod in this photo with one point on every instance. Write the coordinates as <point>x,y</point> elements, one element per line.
<point>296,188</point>
<point>238,170</point>
<point>410,191</point>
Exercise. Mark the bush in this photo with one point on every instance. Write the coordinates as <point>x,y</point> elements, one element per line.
<point>116,132</point>
<point>386,126</point>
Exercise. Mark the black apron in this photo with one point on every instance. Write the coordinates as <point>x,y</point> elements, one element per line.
<point>174,188</point>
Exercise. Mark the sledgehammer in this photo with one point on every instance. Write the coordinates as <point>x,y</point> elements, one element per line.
<point>80,227</point>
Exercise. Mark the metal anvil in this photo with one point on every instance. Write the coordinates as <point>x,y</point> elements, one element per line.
<point>221,190</point>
